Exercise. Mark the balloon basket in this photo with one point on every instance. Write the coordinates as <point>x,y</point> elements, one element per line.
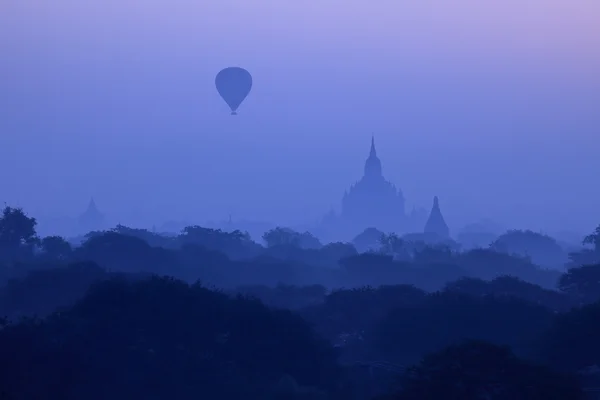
<point>233,113</point>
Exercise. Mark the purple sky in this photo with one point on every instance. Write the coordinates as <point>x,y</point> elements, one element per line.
<point>493,106</point>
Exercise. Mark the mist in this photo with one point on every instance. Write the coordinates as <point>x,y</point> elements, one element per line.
<point>493,108</point>
<point>408,186</point>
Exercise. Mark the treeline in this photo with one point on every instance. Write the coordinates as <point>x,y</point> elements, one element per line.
<point>119,335</point>
<point>120,316</point>
<point>231,259</point>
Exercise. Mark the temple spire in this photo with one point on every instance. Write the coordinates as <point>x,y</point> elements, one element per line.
<point>373,164</point>
<point>92,206</point>
<point>91,219</point>
<point>435,223</point>
<point>373,152</point>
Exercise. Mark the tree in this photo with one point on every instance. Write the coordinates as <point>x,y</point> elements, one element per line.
<point>587,256</point>
<point>207,236</point>
<point>583,257</point>
<point>510,286</point>
<point>43,291</point>
<point>479,370</point>
<point>56,248</point>
<point>153,239</point>
<point>429,247</point>
<point>347,315</point>
<point>593,239</point>
<point>287,237</point>
<point>309,241</point>
<point>161,338</point>
<point>280,236</point>
<point>571,344</point>
<point>392,244</point>
<point>18,236</point>
<point>332,253</point>
<point>490,264</point>
<point>582,283</point>
<point>433,254</point>
<point>368,240</point>
<point>541,249</point>
<point>446,318</point>
<point>288,389</point>
<point>286,296</point>
<point>235,244</point>
<point>127,254</point>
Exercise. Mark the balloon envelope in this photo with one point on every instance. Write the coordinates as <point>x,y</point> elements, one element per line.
<point>233,84</point>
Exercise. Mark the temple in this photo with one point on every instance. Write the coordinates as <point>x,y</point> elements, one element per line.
<point>435,223</point>
<point>372,202</point>
<point>91,220</point>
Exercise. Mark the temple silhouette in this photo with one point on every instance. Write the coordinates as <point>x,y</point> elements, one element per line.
<point>374,202</point>
<point>92,219</point>
<point>435,223</point>
<point>371,202</point>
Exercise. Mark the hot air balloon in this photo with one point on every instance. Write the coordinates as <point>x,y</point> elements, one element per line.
<point>233,84</point>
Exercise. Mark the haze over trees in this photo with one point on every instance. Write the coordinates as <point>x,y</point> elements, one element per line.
<point>212,314</point>
<point>286,200</point>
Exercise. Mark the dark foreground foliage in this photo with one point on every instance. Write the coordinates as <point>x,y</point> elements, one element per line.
<point>117,317</point>
<point>161,338</point>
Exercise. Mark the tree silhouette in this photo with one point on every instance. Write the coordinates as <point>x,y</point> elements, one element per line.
<point>593,239</point>
<point>55,248</point>
<point>17,234</point>
<point>479,370</point>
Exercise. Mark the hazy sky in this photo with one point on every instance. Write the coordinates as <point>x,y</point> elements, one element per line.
<point>494,106</point>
